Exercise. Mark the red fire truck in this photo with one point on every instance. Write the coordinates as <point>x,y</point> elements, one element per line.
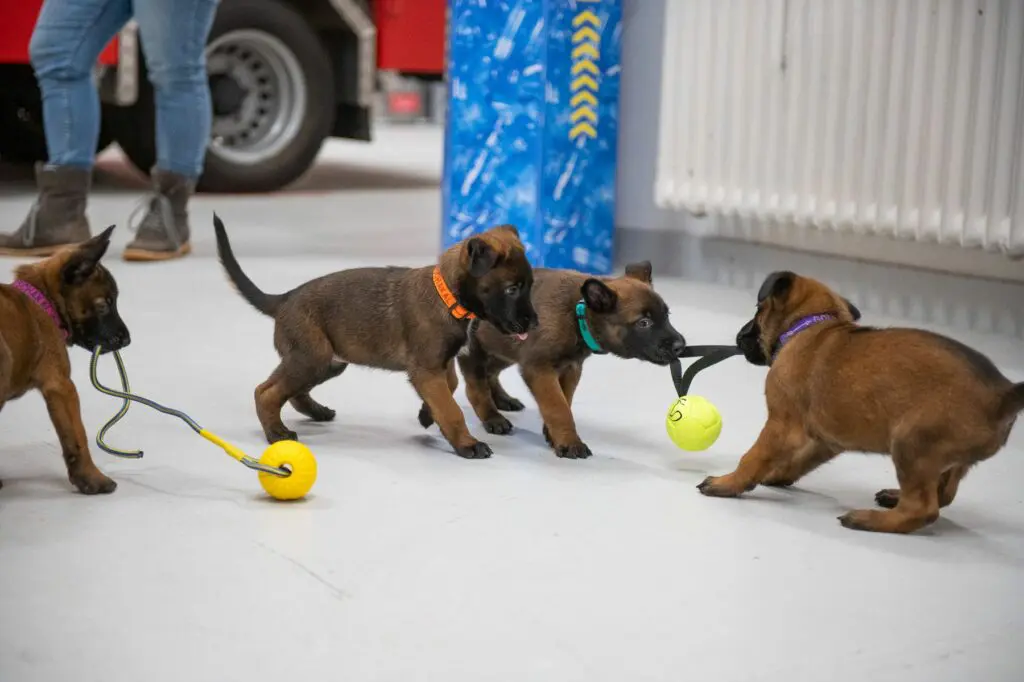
<point>285,75</point>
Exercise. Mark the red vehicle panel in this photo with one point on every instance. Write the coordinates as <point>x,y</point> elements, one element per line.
<point>410,35</point>
<point>19,18</point>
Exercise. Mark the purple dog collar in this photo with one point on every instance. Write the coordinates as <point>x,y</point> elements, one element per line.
<point>43,302</point>
<point>800,325</point>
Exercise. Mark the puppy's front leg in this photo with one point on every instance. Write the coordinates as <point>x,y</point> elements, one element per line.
<point>559,425</point>
<point>434,390</point>
<point>772,449</point>
<point>65,412</point>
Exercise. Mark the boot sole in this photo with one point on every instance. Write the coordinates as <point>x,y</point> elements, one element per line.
<point>146,256</point>
<point>34,252</point>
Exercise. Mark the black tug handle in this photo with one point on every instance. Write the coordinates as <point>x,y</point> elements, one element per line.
<point>709,355</point>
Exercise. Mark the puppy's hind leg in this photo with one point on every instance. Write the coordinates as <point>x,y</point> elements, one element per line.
<point>304,402</point>
<point>918,501</point>
<point>949,483</point>
<point>301,368</point>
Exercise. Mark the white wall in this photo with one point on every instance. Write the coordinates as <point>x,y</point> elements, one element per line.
<point>946,286</point>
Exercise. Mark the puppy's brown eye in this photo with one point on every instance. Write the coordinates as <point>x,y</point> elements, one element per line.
<point>644,322</point>
<point>102,307</point>
<point>512,290</point>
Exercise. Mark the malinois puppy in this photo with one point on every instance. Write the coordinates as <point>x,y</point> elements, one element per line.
<point>394,318</point>
<point>579,316</point>
<point>934,405</point>
<point>67,299</point>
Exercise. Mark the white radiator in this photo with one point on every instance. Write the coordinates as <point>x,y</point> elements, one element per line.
<point>888,117</point>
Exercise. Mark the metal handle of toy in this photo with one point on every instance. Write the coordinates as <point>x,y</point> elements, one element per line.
<point>128,397</point>
<point>709,355</point>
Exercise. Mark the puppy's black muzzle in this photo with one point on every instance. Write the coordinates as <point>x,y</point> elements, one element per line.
<point>748,340</point>
<point>109,337</point>
<point>118,341</point>
<point>523,321</point>
<point>668,349</point>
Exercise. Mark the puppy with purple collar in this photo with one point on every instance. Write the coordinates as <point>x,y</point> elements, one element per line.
<point>936,406</point>
<point>68,299</point>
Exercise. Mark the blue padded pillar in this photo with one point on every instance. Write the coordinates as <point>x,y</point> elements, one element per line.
<point>532,122</point>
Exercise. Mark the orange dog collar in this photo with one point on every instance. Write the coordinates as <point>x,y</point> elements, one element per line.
<point>457,311</point>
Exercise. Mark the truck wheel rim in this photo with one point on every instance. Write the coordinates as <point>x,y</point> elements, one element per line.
<point>273,100</point>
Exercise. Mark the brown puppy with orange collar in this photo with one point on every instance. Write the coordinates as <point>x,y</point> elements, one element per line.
<point>410,320</point>
<point>936,406</point>
<point>66,299</point>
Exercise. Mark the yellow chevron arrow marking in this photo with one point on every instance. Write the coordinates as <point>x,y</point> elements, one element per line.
<point>586,49</point>
<point>585,73</point>
<point>586,16</point>
<point>582,129</point>
<point>585,65</point>
<point>583,96</point>
<point>583,81</point>
<point>583,112</point>
<point>586,33</point>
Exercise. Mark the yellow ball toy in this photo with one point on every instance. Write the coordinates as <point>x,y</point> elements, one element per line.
<point>294,456</point>
<point>693,423</point>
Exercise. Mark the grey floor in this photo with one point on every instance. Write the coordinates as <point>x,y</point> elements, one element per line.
<point>408,563</point>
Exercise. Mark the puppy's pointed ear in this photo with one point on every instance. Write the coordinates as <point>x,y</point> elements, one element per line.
<point>854,310</point>
<point>776,285</point>
<point>640,271</point>
<point>481,256</point>
<point>83,260</point>
<point>598,296</point>
<point>508,227</point>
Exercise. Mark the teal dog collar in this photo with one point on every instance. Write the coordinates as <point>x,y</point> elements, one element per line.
<point>588,337</point>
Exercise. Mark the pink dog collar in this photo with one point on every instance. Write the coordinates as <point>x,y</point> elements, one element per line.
<point>43,302</point>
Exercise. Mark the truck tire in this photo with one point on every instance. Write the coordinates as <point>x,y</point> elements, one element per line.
<point>272,88</point>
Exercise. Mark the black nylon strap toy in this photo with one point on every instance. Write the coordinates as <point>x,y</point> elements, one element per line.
<point>693,422</point>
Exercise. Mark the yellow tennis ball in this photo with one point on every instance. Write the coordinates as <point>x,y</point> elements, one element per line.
<point>693,423</point>
<point>292,455</point>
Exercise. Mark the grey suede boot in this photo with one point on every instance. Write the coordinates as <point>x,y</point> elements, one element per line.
<point>57,218</point>
<point>163,232</point>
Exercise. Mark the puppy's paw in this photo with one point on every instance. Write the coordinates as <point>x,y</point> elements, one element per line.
<point>281,434</point>
<point>507,403</point>
<point>322,413</point>
<point>860,519</point>
<point>498,425</point>
<point>573,451</point>
<point>425,417</point>
<point>94,484</point>
<point>887,498</point>
<point>717,486</point>
<point>477,450</point>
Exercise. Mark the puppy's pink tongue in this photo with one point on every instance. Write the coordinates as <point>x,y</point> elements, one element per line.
<point>522,337</point>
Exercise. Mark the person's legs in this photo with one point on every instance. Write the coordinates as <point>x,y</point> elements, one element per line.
<point>68,38</point>
<point>173,34</point>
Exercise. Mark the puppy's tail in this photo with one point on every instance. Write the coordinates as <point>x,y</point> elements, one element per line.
<point>263,302</point>
<point>1013,402</point>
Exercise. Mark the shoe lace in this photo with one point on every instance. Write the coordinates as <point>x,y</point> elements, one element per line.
<point>163,205</point>
<point>29,237</point>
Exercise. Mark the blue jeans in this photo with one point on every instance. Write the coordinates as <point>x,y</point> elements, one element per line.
<point>68,38</point>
